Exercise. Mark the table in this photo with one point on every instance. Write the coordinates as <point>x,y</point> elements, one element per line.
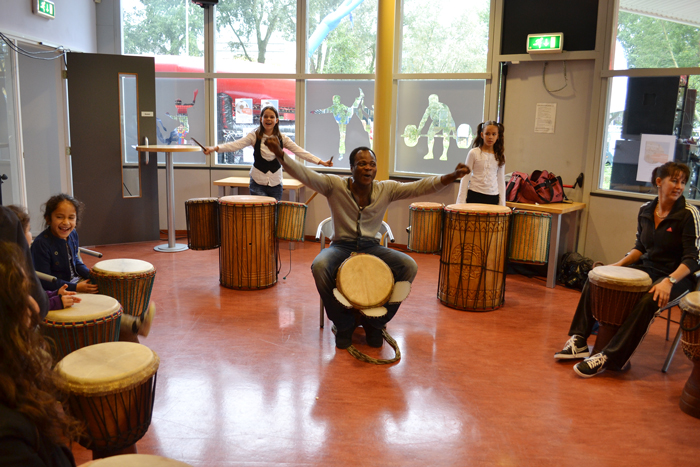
<point>556,210</point>
<point>294,186</point>
<point>168,149</point>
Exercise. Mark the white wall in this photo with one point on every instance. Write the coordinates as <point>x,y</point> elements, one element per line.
<point>73,28</point>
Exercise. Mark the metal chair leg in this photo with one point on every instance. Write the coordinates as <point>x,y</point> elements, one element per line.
<point>672,352</point>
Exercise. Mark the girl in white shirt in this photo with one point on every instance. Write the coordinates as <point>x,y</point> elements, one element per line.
<point>266,173</point>
<point>486,182</point>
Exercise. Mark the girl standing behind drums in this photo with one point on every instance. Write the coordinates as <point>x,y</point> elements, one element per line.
<point>55,250</point>
<point>266,173</point>
<point>486,184</point>
<point>667,249</point>
<point>31,421</point>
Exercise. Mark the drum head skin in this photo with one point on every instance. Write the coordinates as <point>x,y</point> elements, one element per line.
<point>247,199</point>
<point>480,208</point>
<point>106,368</point>
<point>427,206</point>
<point>90,308</point>
<point>137,460</point>
<point>691,303</point>
<point>201,200</point>
<point>620,278</point>
<point>365,281</point>
<point>122,266</point>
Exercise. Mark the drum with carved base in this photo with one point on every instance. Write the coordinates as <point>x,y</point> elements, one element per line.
<point>472,263</point>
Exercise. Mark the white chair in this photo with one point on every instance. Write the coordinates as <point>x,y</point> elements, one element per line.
<point>325,229</point>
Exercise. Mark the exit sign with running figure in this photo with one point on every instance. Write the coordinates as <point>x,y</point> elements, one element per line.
<point>545,43</point>
<point>44,8</point>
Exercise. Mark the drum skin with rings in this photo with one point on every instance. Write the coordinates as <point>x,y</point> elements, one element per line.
<point>291,218</point>
<point>425,227</point>
<point>248,253</point>
<point>110,387</point>
<point>529,237</point>
<point>690,341</point>
<point>137,460</point>
<point>94,320</point>
<point>130,281</point>
<point>614,290</point>
<point>202,216</point>
<point>472,263</point>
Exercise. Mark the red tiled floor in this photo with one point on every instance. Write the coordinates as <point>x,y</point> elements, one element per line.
<point>248,378</point>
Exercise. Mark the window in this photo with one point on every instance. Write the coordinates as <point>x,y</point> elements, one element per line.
<point>256,37</point>
<point>651,119</point>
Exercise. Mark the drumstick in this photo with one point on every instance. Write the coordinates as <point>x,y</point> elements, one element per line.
<point>312,197</point>
<point>198,144</point>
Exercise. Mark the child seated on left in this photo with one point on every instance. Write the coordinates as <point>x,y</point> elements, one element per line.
<point>58,299</point>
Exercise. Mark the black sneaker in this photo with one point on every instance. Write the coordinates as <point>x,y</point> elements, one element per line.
<point>374,336</point>
<point>591,366</point>
<point>575,347</point>
<point>343,339</point>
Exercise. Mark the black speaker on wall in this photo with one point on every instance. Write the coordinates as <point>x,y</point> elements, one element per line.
<point>576,19</point>
<point>650,106</point>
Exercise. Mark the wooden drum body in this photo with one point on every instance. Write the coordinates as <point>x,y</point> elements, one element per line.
<point>529,237</point>
<point>202,223</point>
<point>138,460</point>
<point>111,388</point>
<point>614,290</point>
<point>94,320</point>
<point>690,340</point>
<point>425,227</point>
<point>291,219</point>
<point>130,281</point>
<point>248,254</point>
<point>472,264</point>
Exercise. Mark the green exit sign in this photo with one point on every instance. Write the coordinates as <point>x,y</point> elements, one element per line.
<point>545,43</point>
<point>44,8</point>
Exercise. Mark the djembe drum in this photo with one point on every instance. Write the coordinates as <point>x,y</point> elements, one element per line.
<point>130,281</point>
<point>291,218</point>
<point>425,227</point>
<point>138,460</point>
<point>110,388</point>
<point>690,341</point>
<point>472,263</point>
<point>202,216</point>
<point>248,253</point>
<point>529,237</point>
<point>94,320</point>
<point>614,290</point>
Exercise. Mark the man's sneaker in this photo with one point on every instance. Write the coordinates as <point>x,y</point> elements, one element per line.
<point>591,366</point>
<point>575,347</point>
<point>343,339</point>
<point>375,337</point>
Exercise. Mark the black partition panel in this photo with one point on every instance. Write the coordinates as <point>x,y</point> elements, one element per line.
<point>576,19</point>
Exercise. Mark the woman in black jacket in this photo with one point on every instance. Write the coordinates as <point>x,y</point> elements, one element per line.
<point>32,424</point>
<point>668,231</point>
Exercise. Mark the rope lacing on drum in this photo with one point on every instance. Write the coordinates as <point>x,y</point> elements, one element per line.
<point>376,361</point>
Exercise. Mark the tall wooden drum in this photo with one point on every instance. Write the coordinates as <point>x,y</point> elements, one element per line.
<point>690,340</point>
<point>130,281</point>
<point>94,320</point>
<point>614,290</point>
<point>425,227</point>
<point>202,216</point>
<point>529,237</point>
<point>291,218</point>
<point>111,388</point>
<point>248,253</point>
<point>472,264</point>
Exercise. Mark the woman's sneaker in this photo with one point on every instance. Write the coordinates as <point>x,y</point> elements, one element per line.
<point>591,366</point>
<point>575,347</point>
